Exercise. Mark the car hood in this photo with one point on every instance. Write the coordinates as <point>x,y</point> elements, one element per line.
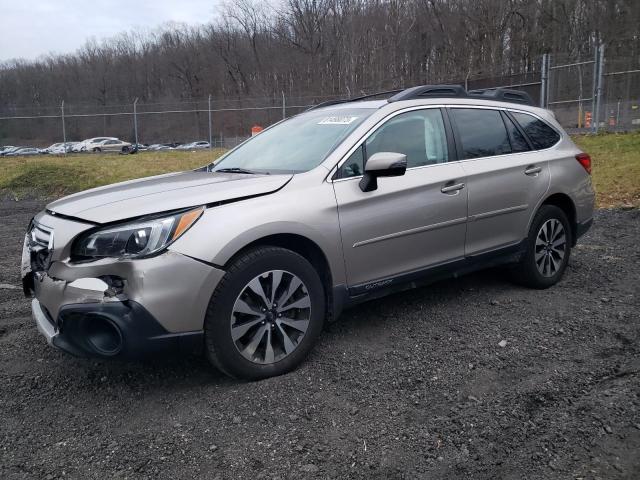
<point>163,193</point>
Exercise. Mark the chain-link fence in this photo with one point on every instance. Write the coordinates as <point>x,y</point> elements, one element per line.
<point>587,93</point>
<point>222,122</point>
<point>593,92</point>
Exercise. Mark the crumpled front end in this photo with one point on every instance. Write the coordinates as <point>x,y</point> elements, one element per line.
<point>112,307</point>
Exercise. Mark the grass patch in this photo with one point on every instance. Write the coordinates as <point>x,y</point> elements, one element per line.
<point>49,176</point>
<point>616,169</point>
<point>615,160</point>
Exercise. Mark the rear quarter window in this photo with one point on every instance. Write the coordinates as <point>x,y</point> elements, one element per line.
<point>540,134</point>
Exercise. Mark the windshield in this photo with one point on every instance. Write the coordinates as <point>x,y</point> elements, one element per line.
<point>295,145</point>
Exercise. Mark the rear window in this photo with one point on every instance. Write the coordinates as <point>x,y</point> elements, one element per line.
<point>540,134</point>
<point>481,132</point>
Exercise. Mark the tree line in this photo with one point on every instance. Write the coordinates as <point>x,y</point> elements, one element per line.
<point>320,48</point>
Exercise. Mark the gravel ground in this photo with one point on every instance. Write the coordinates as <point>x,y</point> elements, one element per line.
<point>416,385</point>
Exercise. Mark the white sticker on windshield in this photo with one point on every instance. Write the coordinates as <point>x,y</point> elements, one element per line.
<point>341,120</point>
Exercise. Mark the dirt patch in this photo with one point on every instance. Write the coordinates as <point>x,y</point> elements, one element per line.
<point>414,385</point>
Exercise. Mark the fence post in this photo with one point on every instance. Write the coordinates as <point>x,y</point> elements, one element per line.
<point>210,131</point>
<point>135,120</point>
<point>284,111</point>
<point>594,119</point>
<point>549,78</point>
<point>64,131</point>
<point>543,80</point>
<point>598,92</point>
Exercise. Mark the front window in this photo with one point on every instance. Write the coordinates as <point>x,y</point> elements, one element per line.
<point>419,134</point>
<point>296,145</point>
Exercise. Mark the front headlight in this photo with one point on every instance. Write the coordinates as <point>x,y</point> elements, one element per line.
<point>140,238</point>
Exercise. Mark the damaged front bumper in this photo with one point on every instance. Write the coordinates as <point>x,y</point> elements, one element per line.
<point>118,307</point>
<point>124,330</point>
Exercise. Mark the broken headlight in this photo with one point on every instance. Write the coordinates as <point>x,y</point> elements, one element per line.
<point>140,238</point>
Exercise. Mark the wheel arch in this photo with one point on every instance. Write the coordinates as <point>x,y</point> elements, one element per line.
<point>304,247</point>
<point>564,202</point>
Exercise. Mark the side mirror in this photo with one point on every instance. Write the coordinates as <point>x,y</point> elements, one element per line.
<point>382,164</point>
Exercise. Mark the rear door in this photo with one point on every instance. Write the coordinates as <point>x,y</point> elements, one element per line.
<point>506,178</point>
<point>408,223</point>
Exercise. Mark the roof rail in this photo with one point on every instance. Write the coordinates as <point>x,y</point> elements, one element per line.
<point>326,104</point>
<point>426,91</point>
<point>499,94</point>
<point>503,95</point>
<point>355,99</point>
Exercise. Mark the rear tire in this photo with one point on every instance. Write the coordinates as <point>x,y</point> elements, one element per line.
<point>266,314</point>
<point>547,251</point>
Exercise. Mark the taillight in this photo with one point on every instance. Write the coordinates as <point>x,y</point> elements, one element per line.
<point>585,161</point>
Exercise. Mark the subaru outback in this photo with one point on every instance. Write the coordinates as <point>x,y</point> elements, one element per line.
<point>248,257</point>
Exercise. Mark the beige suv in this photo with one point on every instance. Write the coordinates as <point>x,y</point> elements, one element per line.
<point>247,257</point>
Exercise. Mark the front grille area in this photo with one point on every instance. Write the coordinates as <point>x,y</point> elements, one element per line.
<point>39,237</point>
<point>40,240</point>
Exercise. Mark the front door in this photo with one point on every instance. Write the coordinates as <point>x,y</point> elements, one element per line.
<point>410,222</point>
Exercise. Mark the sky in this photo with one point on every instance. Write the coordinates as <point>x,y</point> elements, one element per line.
<point>31,28</point>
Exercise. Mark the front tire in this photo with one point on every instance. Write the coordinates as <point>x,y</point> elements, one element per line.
<point>547,251</point>
<point>265,315</point>
<point>97,150</point>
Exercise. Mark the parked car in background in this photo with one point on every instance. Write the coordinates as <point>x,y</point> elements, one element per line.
<point>88,144</point>
<point>20,151</point>
<point>111,145</point>
<point>163,146</point>
<point>194,146</point>
<point>158,146</point>
<point>6,149</point>
<point>59,148</point>
<point>51,148</point>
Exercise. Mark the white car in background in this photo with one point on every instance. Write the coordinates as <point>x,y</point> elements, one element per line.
<point>54,148</point>
<point>59,148</point>
<point>194,146</point>
<point>6,149</point>
<point>90,143</point>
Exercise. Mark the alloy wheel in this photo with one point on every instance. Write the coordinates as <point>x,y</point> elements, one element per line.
<point>551,247</point>
<point>270,317</point>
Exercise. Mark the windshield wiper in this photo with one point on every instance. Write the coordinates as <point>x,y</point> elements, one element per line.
<point>235,170</point>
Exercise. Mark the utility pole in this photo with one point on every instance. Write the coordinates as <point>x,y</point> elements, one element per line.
<point>210,131</point>
<point>135,120</point>
<point>64,132</point>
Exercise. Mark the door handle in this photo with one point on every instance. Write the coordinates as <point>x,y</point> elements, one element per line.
<point>533,171</point>
<point>452,188</point>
